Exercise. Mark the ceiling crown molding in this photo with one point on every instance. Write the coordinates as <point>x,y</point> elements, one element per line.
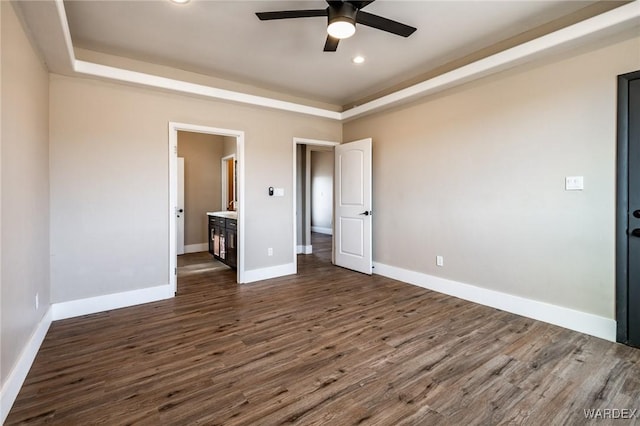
<point>618,19</point>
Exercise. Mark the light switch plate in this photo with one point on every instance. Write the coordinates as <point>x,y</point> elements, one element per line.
<point>574,183</point>
<point>278,192</point>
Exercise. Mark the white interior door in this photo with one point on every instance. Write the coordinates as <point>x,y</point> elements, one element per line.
<point>180,209</point>
<point>353,206</point>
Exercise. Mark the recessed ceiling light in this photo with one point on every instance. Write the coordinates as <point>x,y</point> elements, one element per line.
<point>180,1</point>
<point>358,59</point>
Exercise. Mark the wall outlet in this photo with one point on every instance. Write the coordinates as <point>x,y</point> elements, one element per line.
<point>37,301</point>
<point>270,251</point>
<point>439,261</point>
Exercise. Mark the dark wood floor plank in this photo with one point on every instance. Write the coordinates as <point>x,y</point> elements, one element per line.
<point>326,346</point>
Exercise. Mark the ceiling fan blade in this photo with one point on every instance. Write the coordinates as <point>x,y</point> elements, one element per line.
<point>331,45</point>
<point>360,4</point>
<point>384,24</point>
<point>290,14</point>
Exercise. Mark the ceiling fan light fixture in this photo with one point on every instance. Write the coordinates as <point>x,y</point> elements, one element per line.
<point>341,27</point>
<point>180,1</point>
<point>342,16</point>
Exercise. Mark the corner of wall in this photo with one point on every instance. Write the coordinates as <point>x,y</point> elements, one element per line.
<point>11,386</point>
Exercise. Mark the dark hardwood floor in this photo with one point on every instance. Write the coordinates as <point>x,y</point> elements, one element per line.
<point>327,346</point>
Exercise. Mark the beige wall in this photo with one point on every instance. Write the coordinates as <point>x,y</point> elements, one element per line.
<point>109,181</point>
<point>229,145</point>
<point>202,179</point>
<point>477,175</point>
<point>322,189</point>
<point>25,190</point>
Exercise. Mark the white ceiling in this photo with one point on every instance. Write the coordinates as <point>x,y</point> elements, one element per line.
<point>225,39</point>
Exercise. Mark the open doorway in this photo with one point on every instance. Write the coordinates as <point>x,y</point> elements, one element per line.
<point>313,197</point>
<point>320,196</point>
<point>207,160</point>
<point>210,200</point>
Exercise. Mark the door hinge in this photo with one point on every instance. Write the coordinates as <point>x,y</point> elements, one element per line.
<point>175,149</point>
<point>175,271</point>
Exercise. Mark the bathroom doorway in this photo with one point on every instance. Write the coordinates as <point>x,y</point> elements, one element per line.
<point>205,189</point>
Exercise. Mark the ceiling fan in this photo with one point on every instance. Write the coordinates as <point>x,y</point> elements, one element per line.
<point>342,18</point>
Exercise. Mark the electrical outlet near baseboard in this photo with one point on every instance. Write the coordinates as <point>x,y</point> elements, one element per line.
<point>270,251</point>
<point>439,261</point>
<point>37,301</point>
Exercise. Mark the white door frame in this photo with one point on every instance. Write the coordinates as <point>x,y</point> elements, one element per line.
<point>296,142</point>
<point>174,127</point>
<point>180,203</point>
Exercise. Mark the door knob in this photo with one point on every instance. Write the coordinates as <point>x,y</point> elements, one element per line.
<point>636,214</point>
<point>636,232</point>
<point>366,212</point>
<point>180,211</point>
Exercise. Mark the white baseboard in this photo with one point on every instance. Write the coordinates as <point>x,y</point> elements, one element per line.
<point>583,322</point>
<point>304,249</point>
<point>63,310</point>
<point>18,374</point>
<point>270,272</point>
<point>322,230</point>
<point>196,248</point>
<point>91,305</point>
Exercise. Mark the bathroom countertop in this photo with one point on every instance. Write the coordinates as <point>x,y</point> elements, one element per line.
<point>226,214</point>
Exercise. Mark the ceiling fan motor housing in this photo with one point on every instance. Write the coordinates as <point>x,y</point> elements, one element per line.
<point>344,12</point>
